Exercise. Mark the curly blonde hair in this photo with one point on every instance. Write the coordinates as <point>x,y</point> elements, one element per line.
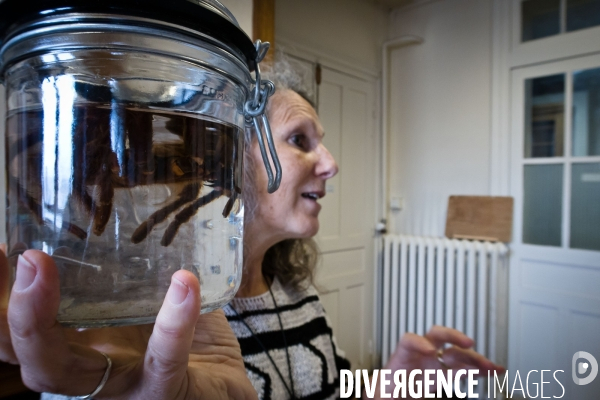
<point>292,261</point>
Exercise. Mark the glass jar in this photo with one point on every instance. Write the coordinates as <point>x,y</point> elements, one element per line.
<point>124,144</point>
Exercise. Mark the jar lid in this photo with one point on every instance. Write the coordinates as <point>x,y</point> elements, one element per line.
<point>207,18</point>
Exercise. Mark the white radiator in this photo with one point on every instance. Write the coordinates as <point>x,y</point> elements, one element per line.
<point>436,281</point>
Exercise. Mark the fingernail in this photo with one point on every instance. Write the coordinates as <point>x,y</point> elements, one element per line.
<point>178,292</point>
<point>26,273</point>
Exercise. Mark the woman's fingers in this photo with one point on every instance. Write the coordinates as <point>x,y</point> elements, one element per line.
<point>48,363</point>
<point>167,356</point>
<point>440,335</point>
<point>460,355</point>
<point>457,358</point>
<point>410,347</point>
<point>418,352</point>
<point>416,343</point>
<point>7,354</point>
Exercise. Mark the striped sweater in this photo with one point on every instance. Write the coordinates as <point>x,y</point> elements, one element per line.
<point>314,356</point>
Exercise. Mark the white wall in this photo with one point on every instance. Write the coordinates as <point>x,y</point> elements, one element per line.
<point>440,99</point>
<point>350,30</point>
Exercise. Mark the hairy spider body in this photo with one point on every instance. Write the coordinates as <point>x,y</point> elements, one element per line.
<point>118,148</point>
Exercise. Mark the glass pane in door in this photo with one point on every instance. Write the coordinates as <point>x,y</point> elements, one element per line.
<point>585,206</point>
<point>542,204</point>
<point>539,18</point>
<point>586,112</point>
<point>544,116</point>
<point>582,14</point>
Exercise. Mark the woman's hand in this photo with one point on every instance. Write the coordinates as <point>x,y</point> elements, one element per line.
<point>421,352</point>
<point>7,354</point>
<point>181,356</point>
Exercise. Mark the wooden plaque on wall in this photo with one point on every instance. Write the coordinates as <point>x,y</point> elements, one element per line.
<point>480,218</point>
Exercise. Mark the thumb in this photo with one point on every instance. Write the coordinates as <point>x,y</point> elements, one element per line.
<point>166,360</point>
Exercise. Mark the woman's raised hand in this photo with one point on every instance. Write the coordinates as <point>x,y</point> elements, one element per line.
<point>181,356</point>
<point>421,352</point>
<point>416,352</point>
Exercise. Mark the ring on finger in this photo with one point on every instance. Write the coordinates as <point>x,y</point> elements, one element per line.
<point>102,382</point>
<point>440,357</point>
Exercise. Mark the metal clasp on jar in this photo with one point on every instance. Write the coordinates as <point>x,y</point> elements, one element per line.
<point>254,111</point>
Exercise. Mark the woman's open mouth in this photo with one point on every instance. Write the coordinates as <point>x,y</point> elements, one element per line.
<point>313,195</point>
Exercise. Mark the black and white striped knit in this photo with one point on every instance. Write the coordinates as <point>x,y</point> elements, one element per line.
<point>314,356</point>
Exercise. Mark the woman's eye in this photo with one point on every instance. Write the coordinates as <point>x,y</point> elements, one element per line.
<point>300,141</point>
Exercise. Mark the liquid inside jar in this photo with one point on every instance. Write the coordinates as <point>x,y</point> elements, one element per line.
<point>121,197</point>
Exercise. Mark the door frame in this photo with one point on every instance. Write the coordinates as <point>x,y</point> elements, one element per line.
<point>555,279</point>
<point>508,55</point>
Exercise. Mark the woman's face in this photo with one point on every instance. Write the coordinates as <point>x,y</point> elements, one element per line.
<point>293,210</point>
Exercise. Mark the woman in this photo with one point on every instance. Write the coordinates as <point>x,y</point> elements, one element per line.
<point>276,315</point>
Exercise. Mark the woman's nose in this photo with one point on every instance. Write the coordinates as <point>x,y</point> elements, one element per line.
<point>326,167</point>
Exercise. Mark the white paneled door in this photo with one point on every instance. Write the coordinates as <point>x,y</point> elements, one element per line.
<point>345,275</point>
<point>555,265</point>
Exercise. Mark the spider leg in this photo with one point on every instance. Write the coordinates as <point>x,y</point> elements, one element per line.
<point>80,193</point>
<point>35,206</point>
<point>188,212</point>
<point>75,230</point>
<point>32,204</point>
<point>229,205</point>
<point>139,133</point>
<point>187,194</point>
<point>103,207</point>
<point>22,156</point>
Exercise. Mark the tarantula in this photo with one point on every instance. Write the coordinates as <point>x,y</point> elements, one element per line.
<point>124,155</point>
